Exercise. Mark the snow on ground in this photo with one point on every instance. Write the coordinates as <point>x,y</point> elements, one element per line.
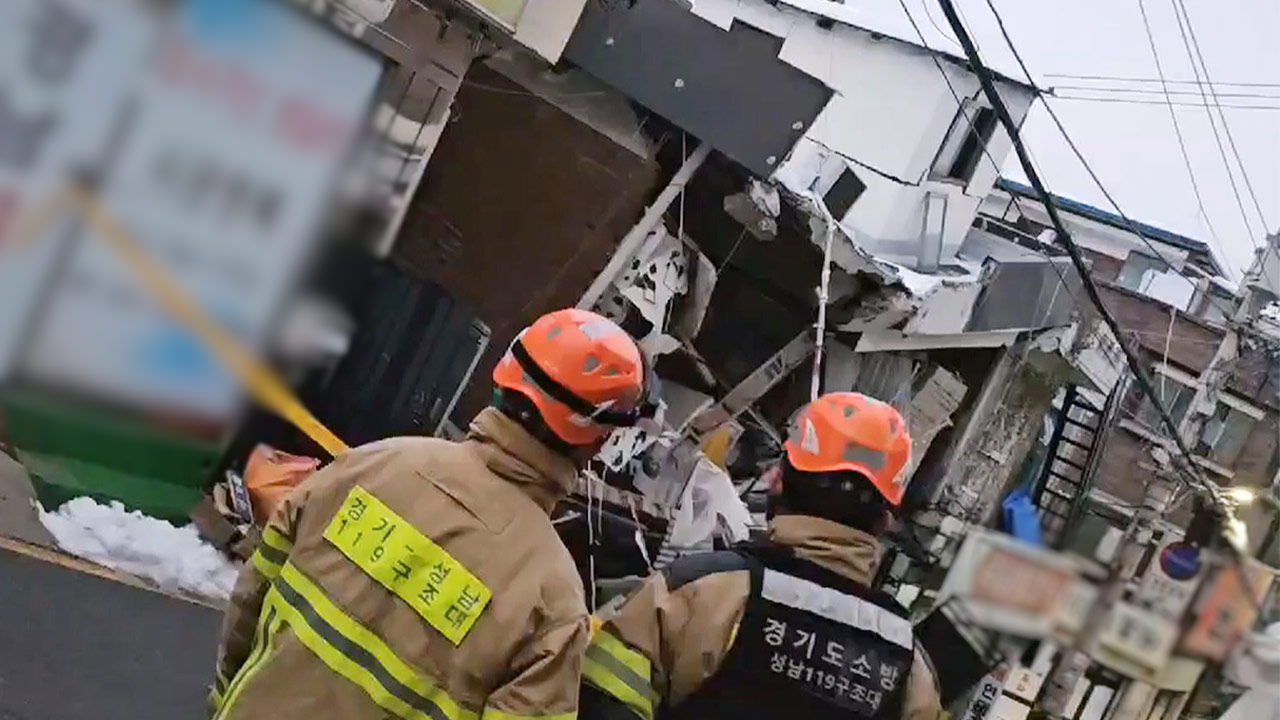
<point>174,558</point>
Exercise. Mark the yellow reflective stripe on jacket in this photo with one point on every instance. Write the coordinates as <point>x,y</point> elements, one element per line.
<point>268,569</point>
<point>621,672</point>
<point>495,714</point>
<point>263,644</point>
<point>357,654</point>
<point>277,542</point>
<point>272,553</point>
<point>219,689</point>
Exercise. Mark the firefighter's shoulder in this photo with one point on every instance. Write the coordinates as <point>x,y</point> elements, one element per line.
<point>689,569</point>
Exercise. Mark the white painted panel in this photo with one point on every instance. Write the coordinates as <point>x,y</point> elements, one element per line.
<point>545,25</point>
<point>717,12</point>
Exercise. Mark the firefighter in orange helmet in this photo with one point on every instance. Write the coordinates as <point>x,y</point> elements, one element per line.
<point>422,579</point>
<point>789,626</point>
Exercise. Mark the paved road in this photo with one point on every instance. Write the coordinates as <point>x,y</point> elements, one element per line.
<point>74,646</point>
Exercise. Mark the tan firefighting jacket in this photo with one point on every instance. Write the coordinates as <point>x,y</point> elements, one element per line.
<point>661,645</point>
<point>412,578</point>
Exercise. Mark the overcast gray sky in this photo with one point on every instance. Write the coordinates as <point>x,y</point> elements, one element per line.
<point>1133,148</point>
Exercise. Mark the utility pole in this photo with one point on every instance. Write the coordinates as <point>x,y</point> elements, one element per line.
<point>1076,660</point>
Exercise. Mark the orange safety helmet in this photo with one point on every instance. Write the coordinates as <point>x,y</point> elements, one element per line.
<point>851,431</point>
<point>585,375</point>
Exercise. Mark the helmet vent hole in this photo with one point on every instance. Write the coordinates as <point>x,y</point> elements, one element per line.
<point>554,332</point>
<point>848,411</point>
<point>592,362</point>
<point>612,371</point>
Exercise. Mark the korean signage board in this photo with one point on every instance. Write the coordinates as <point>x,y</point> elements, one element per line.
<point>1227,608</point>
<point>984,698</point>
<point>1024,684</point>
<point>1136,642</point>
<point>65,69</point>
<point>1007,585</point>
<point>1073,610</point>
<point>222,166</point>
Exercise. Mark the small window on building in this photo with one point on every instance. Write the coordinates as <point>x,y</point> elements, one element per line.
<point>1223,435</point>
<point>1136,266</point>
<point>843,194</point>
<point>966,143</point>
<point>1175,396</point>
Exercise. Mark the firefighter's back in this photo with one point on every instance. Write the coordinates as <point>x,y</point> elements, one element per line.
<point>423,579</point>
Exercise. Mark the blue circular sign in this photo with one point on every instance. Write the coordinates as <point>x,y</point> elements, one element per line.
<point>1180,561</point>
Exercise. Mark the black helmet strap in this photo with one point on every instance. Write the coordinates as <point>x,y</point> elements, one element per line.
<point>567,397</point>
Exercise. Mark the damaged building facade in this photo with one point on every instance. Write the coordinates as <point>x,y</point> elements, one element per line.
<point>833,138</point>
<point>840,167</point>
<point>1172,301</point>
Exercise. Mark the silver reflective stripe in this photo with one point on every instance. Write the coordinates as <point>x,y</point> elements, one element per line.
<point>845,609</point>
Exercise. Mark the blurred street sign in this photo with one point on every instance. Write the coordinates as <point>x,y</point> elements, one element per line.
<point>65,69</point>
<point>1024,684</point>
<point>984,698</point>
<point>1227,608</point>
<point>235,136</point>
<point>1008,585</point>
<point>1135,641</point>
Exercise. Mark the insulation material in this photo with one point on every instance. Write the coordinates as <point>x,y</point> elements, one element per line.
<point>652,283</point>
<point>698,299</point>
<point>710,504</point>
<point>931,409</point>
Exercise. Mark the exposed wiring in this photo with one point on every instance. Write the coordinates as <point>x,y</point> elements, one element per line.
<point>1168,340</point>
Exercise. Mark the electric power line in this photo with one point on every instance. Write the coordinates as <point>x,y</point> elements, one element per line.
<point>1091,290</point>
<point>960,103</point>
<point>1129,223</point>
<point>1122,78</point>
<point>1191,469</point>
<point>1177,129</point>
<point>925,4</point>
<point>1217,136</point>
<point>1179,103</point>
<point>1244,173</point>
<point>1145,91</point>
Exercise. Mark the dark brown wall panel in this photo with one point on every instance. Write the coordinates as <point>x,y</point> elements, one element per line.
<point>519,210</point>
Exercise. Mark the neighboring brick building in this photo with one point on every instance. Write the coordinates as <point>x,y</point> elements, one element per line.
<point>1169,298</point>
